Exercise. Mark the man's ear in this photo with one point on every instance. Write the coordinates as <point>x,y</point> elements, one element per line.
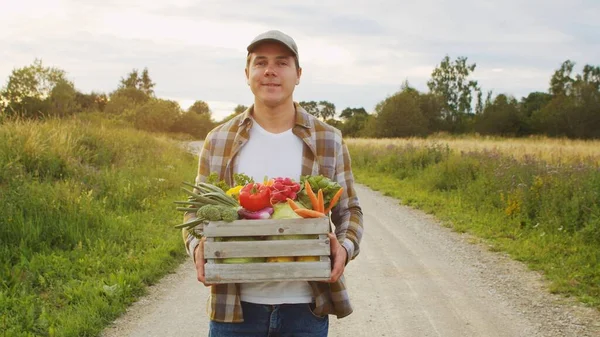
<point>299,75</point>
<point>247,76</point>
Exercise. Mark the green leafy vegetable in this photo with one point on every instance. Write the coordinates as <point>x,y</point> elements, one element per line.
<point>328,186</point>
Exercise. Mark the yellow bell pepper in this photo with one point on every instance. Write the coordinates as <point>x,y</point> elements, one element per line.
<point>234,191</point>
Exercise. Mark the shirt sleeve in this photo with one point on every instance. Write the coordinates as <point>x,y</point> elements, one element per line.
<point>191,241</point>
<point>347,215</point>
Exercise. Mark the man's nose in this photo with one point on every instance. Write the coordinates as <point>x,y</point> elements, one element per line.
<point>269,71</point>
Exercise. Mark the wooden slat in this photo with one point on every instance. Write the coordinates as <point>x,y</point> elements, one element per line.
<point>266,248</point>
<point>267,227</point>
<point>260,272</point>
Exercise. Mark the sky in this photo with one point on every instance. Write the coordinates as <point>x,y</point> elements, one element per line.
<point>353,53</point>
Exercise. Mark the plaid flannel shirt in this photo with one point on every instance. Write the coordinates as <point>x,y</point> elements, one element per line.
<point>325,153</point>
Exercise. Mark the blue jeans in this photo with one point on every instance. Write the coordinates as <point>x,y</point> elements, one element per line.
<point>282,320</point>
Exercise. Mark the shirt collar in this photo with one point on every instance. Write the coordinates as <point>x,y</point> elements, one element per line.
<point>302,117</point>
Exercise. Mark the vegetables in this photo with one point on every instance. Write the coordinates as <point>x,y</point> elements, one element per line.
<point>218,213</point>
<point>239,179</point>
<point>264,213</point>
<point>283,188</point>
<point>209,212</point>
<point>294,206</point>
<point>255,196</point>
<point>209,194</point>
<point>334,200</point>
<point>320,203</point>
<point>309,213</point>
<point>329,187</point>
<point>234,192</point>
<point>223,207</point>
<point>317,202</point>
<point>277,198</point>
<point>283,210</point>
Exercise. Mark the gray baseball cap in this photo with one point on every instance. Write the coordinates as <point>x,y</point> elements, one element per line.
<point>277,36</point>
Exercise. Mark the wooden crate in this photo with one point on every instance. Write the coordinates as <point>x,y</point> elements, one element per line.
<point>215,250</point>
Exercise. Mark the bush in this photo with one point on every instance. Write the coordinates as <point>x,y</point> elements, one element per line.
<point>197,125</point>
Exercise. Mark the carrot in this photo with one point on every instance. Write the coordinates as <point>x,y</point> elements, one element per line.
<point>321,202</point>
<point>311,195</point>
<point>308,213</point>
<point>294,206</point>
<point>334,200</point>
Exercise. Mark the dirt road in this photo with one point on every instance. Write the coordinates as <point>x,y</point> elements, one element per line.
<point>413,278</point>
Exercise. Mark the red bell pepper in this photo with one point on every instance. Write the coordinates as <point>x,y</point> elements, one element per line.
<point>255,196</point>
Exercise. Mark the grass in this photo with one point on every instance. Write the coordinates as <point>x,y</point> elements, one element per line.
<point>553,150</point>
<point>544,213</point>
<point>86,222</point>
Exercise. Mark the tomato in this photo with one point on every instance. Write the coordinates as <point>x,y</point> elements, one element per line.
<point>255,196</point>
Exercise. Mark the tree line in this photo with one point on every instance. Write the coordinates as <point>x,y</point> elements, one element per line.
<point>454,104</point>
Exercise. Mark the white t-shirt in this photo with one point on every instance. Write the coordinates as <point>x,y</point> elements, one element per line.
<point>272,155</point>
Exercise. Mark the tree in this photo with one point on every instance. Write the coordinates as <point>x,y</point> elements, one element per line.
<point>574,110</point>
<point>63,99</point>
<point>450,80</point>
<point>353,126</point>
<point>348,113</point>
<point>200,108</point>
<point>131,81</point>
<point>156,115</point>
<point>236,111</point>
<point>146,84</point>
<point>529,105</point>
<point>323,109</point>
<point>326,110</point>
<point>561,82</point>
<point>28,89</point>
<point>431,106</point>
<point>239,109</point>
<point>502,117</point>
<point>585,116</point>
<point>91,102</point>
<point>311,107</point>
<point>124,100</point>
<point>197,125</point>
<point>400,116</point>
<point>552,119</point>
<point>140,82</point>
<point>591,75</point>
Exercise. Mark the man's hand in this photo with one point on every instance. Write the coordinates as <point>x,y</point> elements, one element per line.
<point>199,255</point>
<point>338,256</point>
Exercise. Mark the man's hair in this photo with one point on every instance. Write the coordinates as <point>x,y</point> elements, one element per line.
<point>249,57</point>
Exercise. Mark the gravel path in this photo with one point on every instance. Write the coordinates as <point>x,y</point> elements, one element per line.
<point>413,278</point>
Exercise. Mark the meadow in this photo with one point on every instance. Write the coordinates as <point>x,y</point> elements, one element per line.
<point>86,222</point>
<point>536,199</point>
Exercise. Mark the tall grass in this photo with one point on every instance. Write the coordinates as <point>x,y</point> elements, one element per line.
<point>552,150</point>
<point>85,223</point>
<point>545,213</point>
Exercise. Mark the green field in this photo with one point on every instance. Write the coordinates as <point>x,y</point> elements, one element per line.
<point>545,213</point>
<point>87,222</point>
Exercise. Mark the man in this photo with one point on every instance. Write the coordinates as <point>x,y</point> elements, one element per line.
<point>275,137</point>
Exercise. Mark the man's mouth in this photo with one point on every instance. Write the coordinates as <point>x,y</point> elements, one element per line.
<point>271,84</point>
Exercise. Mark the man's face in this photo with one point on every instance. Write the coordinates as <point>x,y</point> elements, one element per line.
<point>272,74</point>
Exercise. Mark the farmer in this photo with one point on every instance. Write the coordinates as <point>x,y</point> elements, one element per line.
<point>276,137</point>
